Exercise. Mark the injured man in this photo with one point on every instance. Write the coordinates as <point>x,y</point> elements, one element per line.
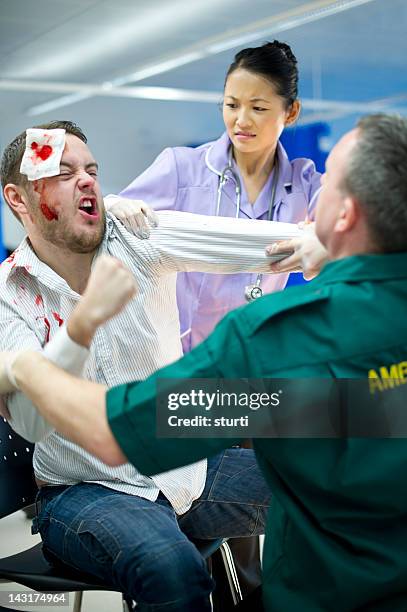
<point>128,529</point>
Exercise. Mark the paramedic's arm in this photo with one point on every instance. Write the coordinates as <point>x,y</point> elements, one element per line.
<point>61,398</point>
<point>122,426</point>
<point>109,288</point>
<point>62,350</point>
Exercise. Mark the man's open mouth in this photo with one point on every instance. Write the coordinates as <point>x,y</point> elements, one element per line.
<point>88,206</point>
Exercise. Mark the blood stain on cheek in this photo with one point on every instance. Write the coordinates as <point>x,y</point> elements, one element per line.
<point>49,214</point>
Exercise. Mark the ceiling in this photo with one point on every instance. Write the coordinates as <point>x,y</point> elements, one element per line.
<point>99,60</point>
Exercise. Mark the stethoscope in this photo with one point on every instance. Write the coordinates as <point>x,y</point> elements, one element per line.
<point>254,291</point>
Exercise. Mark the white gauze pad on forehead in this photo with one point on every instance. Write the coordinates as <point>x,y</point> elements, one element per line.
<point>43,152</point>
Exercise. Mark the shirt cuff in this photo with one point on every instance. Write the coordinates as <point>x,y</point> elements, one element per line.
<point>66,353</point>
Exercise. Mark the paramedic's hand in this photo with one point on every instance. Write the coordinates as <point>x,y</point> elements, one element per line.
<point>309,255</point>
<point>136,216</point>
<point>110,287</point>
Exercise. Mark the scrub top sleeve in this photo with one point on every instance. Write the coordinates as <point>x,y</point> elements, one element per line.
<point>158,185</point>
<point>132,412</point>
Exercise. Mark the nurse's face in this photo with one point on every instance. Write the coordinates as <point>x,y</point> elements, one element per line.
<point>253,113</point>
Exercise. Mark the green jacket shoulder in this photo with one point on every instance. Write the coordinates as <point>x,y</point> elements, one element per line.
<point>271,307</point>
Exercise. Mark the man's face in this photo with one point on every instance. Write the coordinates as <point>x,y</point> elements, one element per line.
<point>68,209</point>
<point>331,198</point>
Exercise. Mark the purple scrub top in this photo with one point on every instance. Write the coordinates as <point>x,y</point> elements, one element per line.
<point>186,179</point>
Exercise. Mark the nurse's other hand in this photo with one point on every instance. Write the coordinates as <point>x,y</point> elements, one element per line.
<point>308,256</point>
<point>110,287</point>
<point>136,216</point>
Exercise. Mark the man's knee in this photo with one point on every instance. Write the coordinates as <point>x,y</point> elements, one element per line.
<point>174,574</point>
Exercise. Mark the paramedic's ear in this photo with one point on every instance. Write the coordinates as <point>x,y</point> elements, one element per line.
<point>348,215</point>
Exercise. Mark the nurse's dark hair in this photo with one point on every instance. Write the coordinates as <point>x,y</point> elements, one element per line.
<point>13,153</point>
<point>376,176</point>
<point>275,62</point>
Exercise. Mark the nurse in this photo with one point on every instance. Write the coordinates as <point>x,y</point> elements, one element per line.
<point>245,173</point>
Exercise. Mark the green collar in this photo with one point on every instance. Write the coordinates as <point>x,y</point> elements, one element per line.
<point>364,267</point>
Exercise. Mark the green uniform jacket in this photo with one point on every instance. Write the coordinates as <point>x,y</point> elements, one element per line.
<point>336,537</point>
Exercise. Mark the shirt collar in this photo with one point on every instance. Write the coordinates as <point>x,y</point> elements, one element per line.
<point>359,268</point>
<point>217,159</point>
<point>110,226</point>
<point>24,260</point>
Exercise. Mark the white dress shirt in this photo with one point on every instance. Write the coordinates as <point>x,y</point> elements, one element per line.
<point>144,337</point>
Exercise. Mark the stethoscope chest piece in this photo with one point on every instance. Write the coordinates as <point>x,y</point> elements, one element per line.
<point>253,292</point>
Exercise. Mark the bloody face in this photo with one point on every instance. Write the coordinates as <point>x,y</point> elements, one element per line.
<point>68,209</point>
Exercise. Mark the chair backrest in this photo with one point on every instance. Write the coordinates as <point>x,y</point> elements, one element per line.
<point>17,484</point>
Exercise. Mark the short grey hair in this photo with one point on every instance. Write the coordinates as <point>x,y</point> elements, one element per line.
<point>376,175</point>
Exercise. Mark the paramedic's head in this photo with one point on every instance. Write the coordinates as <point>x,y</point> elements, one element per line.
<point>363,203</point>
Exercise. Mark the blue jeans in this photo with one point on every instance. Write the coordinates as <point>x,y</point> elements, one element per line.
<point>141,547</point>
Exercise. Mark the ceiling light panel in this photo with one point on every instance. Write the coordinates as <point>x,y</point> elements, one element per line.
<point>105,33</point>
